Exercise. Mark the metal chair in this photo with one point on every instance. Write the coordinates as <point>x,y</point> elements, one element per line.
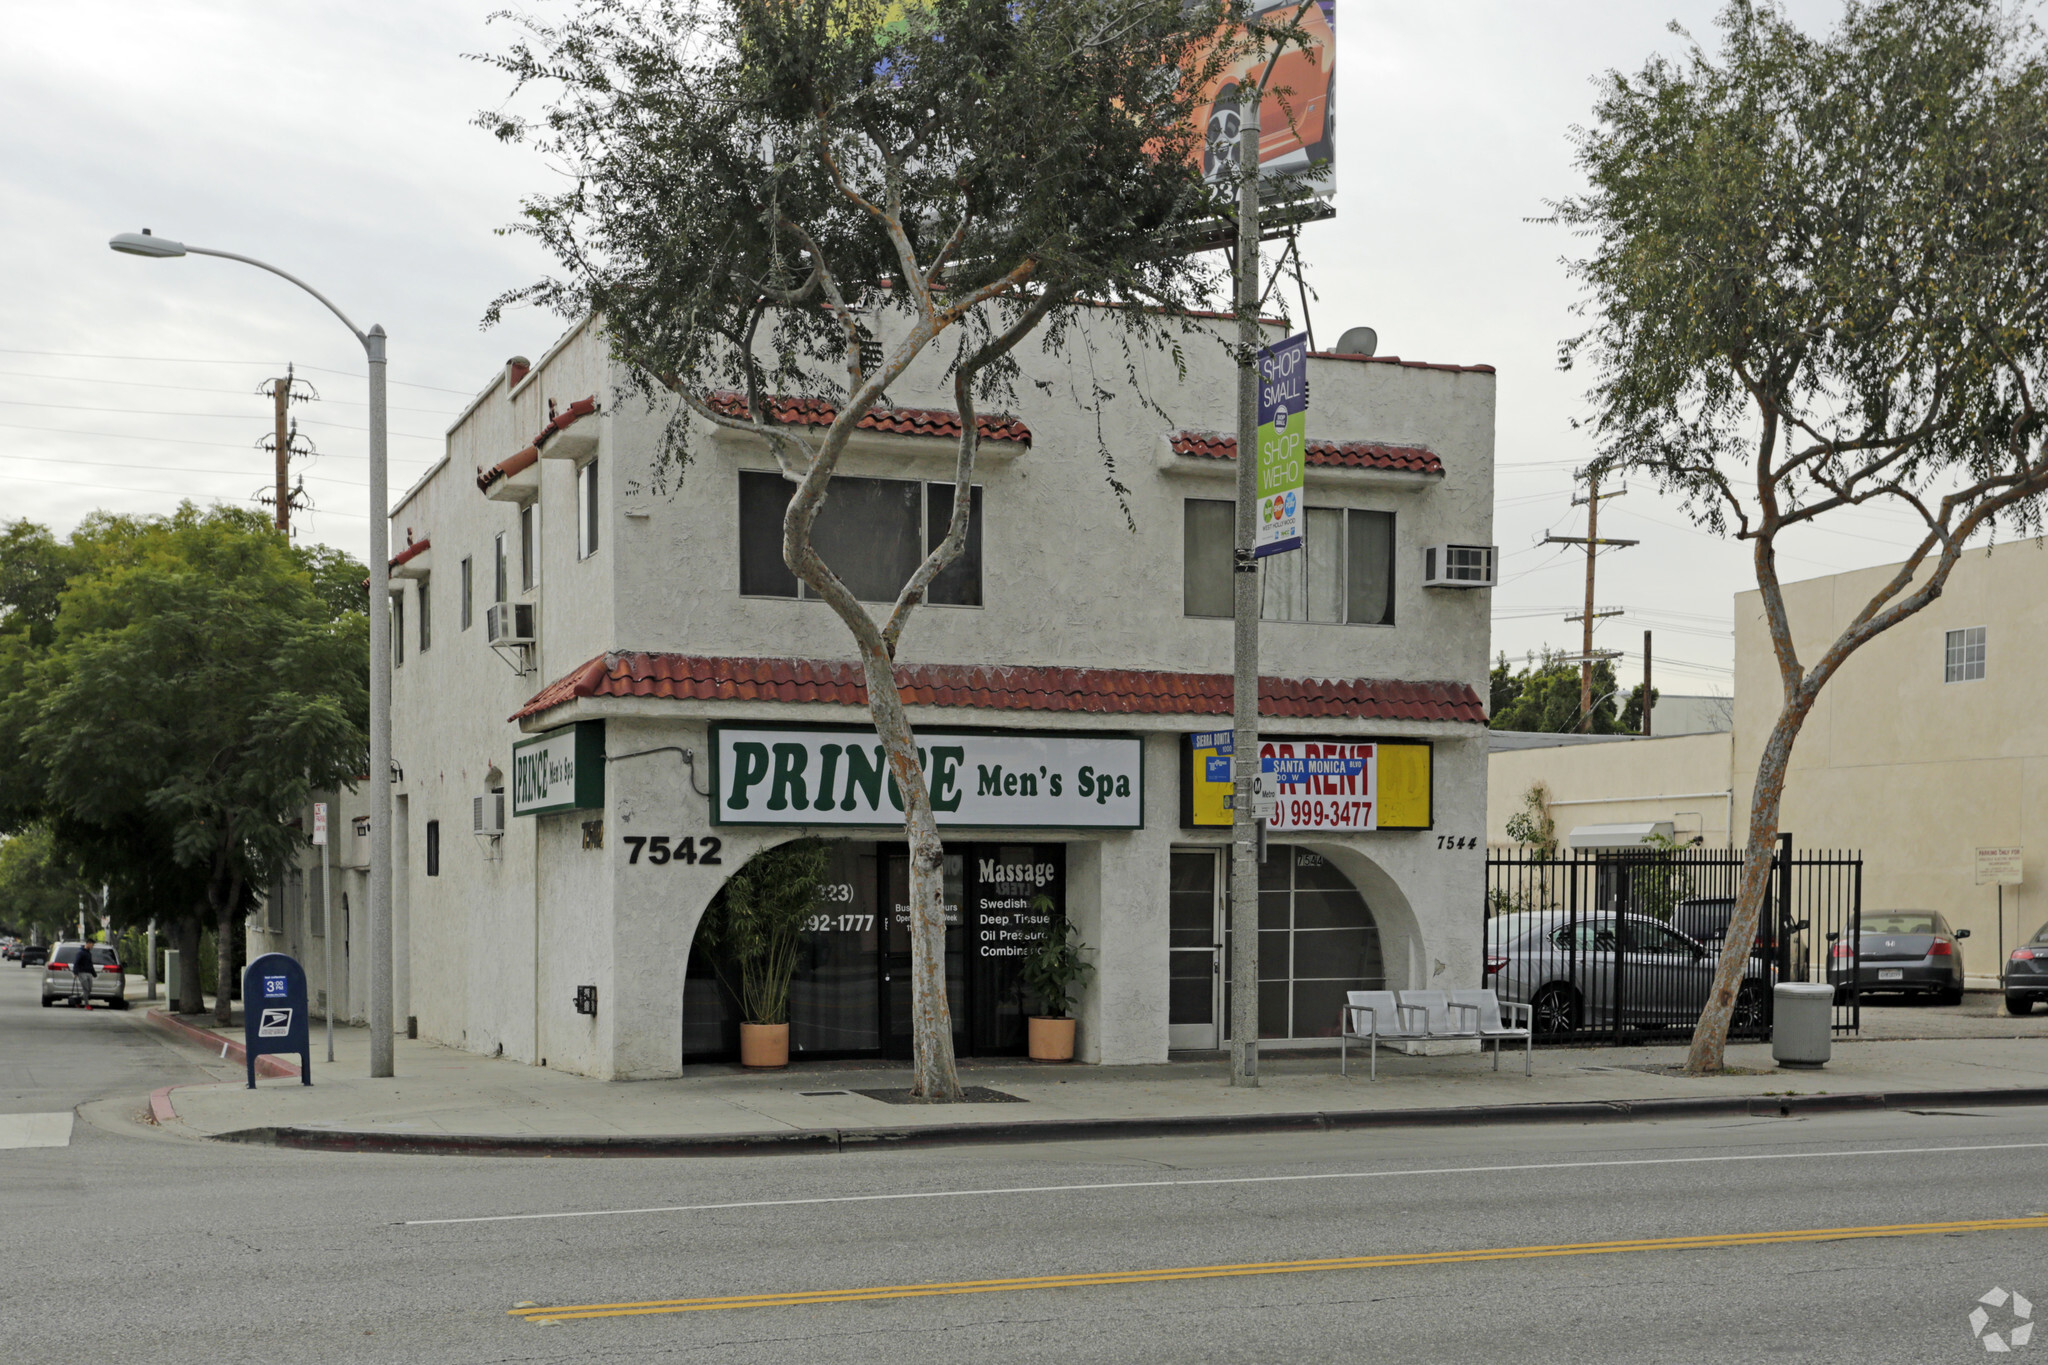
<point>1487,1007</point>
<point>1373,1015</point>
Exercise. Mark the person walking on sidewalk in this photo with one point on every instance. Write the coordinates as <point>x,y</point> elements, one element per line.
<point>83,973</point>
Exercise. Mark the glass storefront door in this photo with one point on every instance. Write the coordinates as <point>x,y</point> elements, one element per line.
<point>896,978</point>
<point>1194,954</point>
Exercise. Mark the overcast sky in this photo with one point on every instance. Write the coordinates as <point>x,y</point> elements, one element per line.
<point>335,141</point>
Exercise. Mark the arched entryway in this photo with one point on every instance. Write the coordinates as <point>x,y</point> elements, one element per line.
<point>1318,938</point>
<point>850,994</point>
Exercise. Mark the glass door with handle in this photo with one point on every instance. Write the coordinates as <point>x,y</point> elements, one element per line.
<point>1195,950</point>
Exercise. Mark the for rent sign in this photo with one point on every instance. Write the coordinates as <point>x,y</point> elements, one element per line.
<point>788,776</point>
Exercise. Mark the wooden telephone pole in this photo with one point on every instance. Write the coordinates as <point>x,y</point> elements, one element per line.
<point>285,442</point>
<point>1592,543</point>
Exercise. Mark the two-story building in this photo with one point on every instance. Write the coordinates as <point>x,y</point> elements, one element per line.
<point>610,691</point>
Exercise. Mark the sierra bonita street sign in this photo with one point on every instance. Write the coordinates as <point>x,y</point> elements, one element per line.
<point>791,776</point>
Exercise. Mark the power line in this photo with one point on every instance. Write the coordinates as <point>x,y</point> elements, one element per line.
<point>163,440</point>
<point>155,412</point>
<point>181,493</point>
<point>195,360</point>
<point>189,388</point>
<point>162,469</point>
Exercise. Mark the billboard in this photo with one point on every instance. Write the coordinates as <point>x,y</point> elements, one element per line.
<point>1297,124</point>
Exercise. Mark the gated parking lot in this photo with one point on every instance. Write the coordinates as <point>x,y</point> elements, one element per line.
<point>1621,946</point>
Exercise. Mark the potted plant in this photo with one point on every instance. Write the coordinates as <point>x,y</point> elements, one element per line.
<point>755,926</point>
<point>1052,970</point>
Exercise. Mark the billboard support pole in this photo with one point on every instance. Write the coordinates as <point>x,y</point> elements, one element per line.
<point>1244,747</point>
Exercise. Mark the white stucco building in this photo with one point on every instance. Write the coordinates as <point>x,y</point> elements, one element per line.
<point>692,707</point>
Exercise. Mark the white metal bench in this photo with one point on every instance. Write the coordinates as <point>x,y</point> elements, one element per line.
<point>1427,1016</point>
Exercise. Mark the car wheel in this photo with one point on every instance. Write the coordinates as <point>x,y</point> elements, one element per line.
<point>48,1001</point>
<point>1748,1015</point>
<point>1952,996</point>
<point>2019,1004</point>
<point>1555,1011</point>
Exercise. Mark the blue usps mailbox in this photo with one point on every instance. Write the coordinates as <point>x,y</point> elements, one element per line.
<point>274,1013</point>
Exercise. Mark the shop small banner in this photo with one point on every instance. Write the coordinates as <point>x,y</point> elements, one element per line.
<point>1283,444</point>
<point>794,776</point>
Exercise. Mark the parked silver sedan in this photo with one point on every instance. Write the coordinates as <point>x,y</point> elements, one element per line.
<point>1566,968</point>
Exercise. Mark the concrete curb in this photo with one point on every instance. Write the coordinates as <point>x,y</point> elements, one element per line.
<point>227,1048</point>
<point>820,1140</point>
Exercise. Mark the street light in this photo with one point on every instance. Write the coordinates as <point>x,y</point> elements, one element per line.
<point>144,243</point>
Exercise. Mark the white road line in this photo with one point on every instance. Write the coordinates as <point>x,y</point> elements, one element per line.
<point>35,1130</point>
<point>1238,1180</point>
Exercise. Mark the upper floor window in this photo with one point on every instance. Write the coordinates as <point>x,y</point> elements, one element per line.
<point>586,510</point>
<point>1344,571</point>
<point>529,547</point>
<point>433,848</point>
<point>1963,655</point>
<point>397,628</point>
<point>468,586</point>
<point>499,582</point>
<point>873,532</point>
<point>426,615</point>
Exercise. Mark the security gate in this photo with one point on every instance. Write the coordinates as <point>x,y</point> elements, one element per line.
<point>1621,945</point>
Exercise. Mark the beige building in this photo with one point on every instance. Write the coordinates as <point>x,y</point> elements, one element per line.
<point>1929,744</point>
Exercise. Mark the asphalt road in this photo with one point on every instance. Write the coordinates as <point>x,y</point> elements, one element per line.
<point>187,1251</point>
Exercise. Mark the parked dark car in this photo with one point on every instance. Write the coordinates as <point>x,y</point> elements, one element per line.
<point>35,955</point>
<point>1914,952</point>
<point>2026,974</point>
<point>1706,919</point>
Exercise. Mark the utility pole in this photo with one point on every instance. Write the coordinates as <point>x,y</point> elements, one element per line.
<point>285,442</point>
<point>1592,543</point>
<point>1244,831</point>
<point>1646,684</point>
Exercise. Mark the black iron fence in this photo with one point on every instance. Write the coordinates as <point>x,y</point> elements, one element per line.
<point>1620,946</point>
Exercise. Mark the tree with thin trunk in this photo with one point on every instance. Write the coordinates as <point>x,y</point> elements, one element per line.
<point>1819,283</point>
<point>802,199</point>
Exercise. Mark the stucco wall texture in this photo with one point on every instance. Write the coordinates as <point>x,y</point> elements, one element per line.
<point>1074,577</point>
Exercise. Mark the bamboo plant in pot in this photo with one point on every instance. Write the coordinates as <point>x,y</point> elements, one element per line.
<point>1052,971</point>
<point>755,929</point>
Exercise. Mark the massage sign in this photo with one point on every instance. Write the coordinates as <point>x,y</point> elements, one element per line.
<point>832,776</point>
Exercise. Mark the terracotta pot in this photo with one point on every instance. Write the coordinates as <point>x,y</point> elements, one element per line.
<point>764,1045</point>
<point>1052,1040</point>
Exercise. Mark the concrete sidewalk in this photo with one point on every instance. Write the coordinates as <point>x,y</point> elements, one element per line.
<point>443,1099</point>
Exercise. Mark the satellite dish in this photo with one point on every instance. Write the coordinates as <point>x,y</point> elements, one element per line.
<point>1358,341</point>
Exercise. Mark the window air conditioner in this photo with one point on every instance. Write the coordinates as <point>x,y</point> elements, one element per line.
<point>1458,566</point>
<point>487,814</point>
<point>508,623</point>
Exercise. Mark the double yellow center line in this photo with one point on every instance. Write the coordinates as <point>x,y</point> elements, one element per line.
<point>1710,1242</point>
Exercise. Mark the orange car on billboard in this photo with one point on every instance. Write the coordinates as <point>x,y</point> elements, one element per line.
<point>1297,125</point>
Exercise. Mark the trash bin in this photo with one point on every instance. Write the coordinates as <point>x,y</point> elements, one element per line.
<point>1802,1025</point>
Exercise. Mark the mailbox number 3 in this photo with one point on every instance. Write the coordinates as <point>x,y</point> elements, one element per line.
<point>661,850</point>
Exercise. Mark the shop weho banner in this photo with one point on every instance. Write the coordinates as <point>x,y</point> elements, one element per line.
<point>1283,444</point>
<point>797,776</point>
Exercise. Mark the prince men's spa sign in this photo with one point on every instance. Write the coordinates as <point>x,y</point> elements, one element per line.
<point>792,776</point>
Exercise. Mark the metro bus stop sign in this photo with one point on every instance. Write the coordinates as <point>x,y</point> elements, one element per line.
<point>274,1013</point>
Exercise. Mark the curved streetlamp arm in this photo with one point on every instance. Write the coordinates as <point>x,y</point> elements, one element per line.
<point>284,274</point>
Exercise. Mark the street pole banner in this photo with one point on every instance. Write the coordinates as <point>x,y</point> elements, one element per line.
<point>1283,444</point>
<point>319,822</point>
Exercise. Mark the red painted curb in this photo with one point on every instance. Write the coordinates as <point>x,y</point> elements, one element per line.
<point>160,1109</point>
<point>266,1065</point>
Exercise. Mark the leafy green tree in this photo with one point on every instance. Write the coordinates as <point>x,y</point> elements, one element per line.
<point>803,197</point>
<point>1815,284</point>
<point>40,890</point>
<point>196,688</point>
<point>756,924</point>
<point>1544,696</point>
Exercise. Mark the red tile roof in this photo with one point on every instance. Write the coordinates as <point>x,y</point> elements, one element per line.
<point>418,547</point>
<point>561,421</point>
<point>1208,445</point>
<point>1097,691</point>
<point>816,412</point>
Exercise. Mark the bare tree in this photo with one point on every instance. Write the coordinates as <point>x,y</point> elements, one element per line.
<point>1818,285</point>
<point>759,183</point>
